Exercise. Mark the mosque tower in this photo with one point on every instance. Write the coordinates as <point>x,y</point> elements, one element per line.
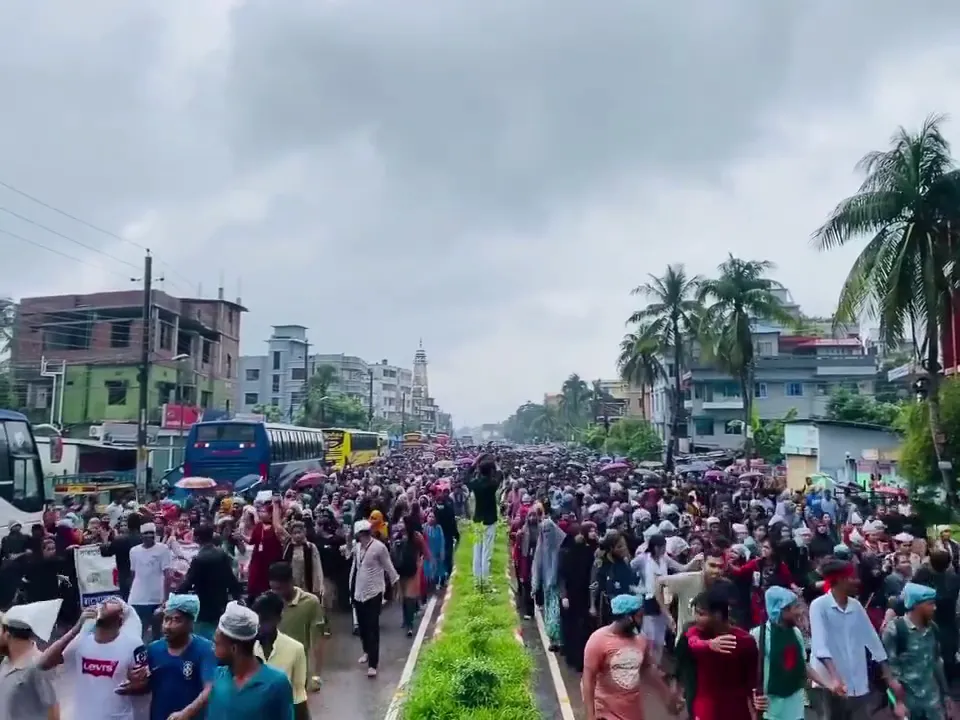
<point>421,390</point>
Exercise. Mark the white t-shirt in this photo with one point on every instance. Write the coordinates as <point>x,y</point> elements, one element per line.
<point>99,669</point>
<point>148,566</point>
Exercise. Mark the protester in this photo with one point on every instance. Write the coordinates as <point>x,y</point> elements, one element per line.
<point>281,651</point>
<point>371,564</point>
<point>26,689</point>
<point>182,664</point>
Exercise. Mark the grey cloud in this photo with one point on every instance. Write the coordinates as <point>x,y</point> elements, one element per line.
<point>407,161</point>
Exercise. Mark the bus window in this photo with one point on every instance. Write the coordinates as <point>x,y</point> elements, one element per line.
<point>21,475</point>
<point>363,441</point>
<point>26,482</point>
<point>301,445</point>
<point>226,432</point>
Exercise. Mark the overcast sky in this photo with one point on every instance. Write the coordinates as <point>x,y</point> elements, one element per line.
<point>490,176</point>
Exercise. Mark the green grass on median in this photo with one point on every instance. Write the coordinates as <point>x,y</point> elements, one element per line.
<point>475,669</point>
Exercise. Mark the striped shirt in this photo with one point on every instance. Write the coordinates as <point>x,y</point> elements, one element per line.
<point>368,568</point>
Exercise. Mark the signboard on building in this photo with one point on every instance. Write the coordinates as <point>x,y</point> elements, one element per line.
<point>180,416</point>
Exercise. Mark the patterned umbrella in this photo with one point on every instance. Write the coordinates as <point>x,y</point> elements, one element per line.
<point>196,483</point>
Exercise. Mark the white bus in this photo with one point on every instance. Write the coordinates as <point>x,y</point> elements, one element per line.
<point>21,474</point>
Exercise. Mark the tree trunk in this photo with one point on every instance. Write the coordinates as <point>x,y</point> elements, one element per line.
<point>747,413</point>
<point>933,408</point>
<point>674,447</point>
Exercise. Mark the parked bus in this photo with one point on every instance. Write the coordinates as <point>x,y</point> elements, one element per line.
<point>356,447</point>
<point>414,440</point>
<point>227,450</point>
<point>21,474</point>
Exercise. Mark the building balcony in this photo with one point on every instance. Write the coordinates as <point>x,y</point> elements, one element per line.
<point>721,403</point>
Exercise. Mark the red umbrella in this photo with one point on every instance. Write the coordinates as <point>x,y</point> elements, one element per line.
<point>310,480</point>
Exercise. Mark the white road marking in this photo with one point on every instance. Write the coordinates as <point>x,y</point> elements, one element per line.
<point>566,709</point>
<point>393,712</point>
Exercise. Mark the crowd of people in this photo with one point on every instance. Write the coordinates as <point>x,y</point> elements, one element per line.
<point>718,591</point>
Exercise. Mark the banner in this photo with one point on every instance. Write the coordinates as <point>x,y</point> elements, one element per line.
<point>96,575</point>
<point>183,555</point>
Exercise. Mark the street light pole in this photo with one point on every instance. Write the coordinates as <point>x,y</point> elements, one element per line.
<point>179,360</point>
<point>370,401</point>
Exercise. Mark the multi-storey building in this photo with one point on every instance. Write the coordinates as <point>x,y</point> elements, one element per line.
<point>96,341</point>
<point>792,372</point>
<point>392,392</point>
<point>279,377</point>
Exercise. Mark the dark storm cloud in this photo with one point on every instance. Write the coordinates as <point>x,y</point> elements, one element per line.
<point>426,165</point>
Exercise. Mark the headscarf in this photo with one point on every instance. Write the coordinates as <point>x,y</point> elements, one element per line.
<point>777,599</point>
<point>377,525</point>
<point>185,603</point>
<point>915,594</point>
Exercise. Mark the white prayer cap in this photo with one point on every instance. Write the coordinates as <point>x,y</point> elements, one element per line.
<point>903,537</point>
<point>148,528</point>
<point>239,623</point>
<point>38,617</point>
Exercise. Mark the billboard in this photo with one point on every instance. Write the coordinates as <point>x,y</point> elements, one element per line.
<point>180,416</point>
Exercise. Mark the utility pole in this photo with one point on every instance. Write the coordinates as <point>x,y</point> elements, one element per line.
<point>306,381</point>
<point>403,413</point>
<point>144,375</point>
<point>370,402</point>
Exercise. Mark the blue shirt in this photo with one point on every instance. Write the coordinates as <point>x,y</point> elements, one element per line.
<point>267,694</point>
<point>842,635</point>
<point>177,680</point>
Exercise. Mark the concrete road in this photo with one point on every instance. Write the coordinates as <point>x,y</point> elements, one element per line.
<point>347,692</point>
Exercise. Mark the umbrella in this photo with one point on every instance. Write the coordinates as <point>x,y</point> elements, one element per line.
<point>444,465</point>
<point>465,461</point>
<point>751,474</point>
<point>247,482</point>
<point>713,475</point>
<point>614,467</point>
<point>196,483</point>
<point>606,459</point>
<point>310,480</point>
<point>651,464</point>
<point>575,464</point>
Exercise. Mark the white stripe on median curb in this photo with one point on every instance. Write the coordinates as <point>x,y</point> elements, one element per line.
<point>566,710</point>
<point>396,703</point>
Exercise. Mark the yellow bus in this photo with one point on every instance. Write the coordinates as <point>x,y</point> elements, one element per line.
<point>353,447</point>
<point>414,440</point>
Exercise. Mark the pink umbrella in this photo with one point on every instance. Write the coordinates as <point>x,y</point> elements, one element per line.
<point>614,467</point>
<point>714,475</point>
<point>310,480</point>
<point>465,461</point>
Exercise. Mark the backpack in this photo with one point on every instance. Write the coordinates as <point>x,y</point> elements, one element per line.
<point>404,557</point>
<point>900,625</point>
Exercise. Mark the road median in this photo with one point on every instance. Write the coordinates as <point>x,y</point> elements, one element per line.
<point>475,669</point>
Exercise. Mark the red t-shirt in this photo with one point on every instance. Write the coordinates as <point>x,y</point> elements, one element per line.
<point>266,551</point>
<point>617,660</point>
<point>725,681</point>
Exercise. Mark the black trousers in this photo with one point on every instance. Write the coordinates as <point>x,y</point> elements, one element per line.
<point>368,624</point>
<point>448,554</point>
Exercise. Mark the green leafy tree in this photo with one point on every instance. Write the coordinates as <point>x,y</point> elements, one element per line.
<point>335,411</point>
<point>314,406</point>
<point>575,399</point>
<point>672,316</point>
<point>738,298</point>
<point>768,436</point>
<point>849,407</point>
<point>634,438</point>
<point>639,361</point>
<point>918,456</point>
<point>7,397</point>
<point>594,437</point>
<point>908,210</point>
<point>271,413</point>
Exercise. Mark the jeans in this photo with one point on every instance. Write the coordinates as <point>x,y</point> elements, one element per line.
<point>448,554</point>
<point>368,623</point>
<point>483,551</point>
<point>150,621</point>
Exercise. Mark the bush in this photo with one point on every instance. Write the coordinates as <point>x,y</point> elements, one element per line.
<point>475,669</point>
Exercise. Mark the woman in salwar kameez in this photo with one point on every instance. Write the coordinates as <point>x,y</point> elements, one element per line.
<point>545,577</point>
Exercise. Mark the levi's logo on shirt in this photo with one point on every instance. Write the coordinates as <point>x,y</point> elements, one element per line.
<point>99,668</point>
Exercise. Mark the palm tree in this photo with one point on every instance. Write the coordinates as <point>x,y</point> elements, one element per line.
<point>908,208</point>
<point>639,362</point>
<point>574,399</point>
<point>318,389</point>
<point>672,317</point>
<point>739,297</point>
<point>600,397</point>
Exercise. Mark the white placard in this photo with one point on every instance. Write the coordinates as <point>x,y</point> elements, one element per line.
<point>96,575</point>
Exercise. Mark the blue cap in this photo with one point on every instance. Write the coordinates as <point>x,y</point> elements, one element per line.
<point>625,605</point>
<point>914,594</point>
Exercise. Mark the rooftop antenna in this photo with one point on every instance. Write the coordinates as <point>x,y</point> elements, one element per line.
<point>220,287</point>
<point>239,290</point>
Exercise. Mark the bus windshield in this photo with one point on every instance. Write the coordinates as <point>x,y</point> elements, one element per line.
<point>21,474</point>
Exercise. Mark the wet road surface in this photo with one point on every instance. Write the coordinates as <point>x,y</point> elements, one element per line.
<point>347,692</point>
